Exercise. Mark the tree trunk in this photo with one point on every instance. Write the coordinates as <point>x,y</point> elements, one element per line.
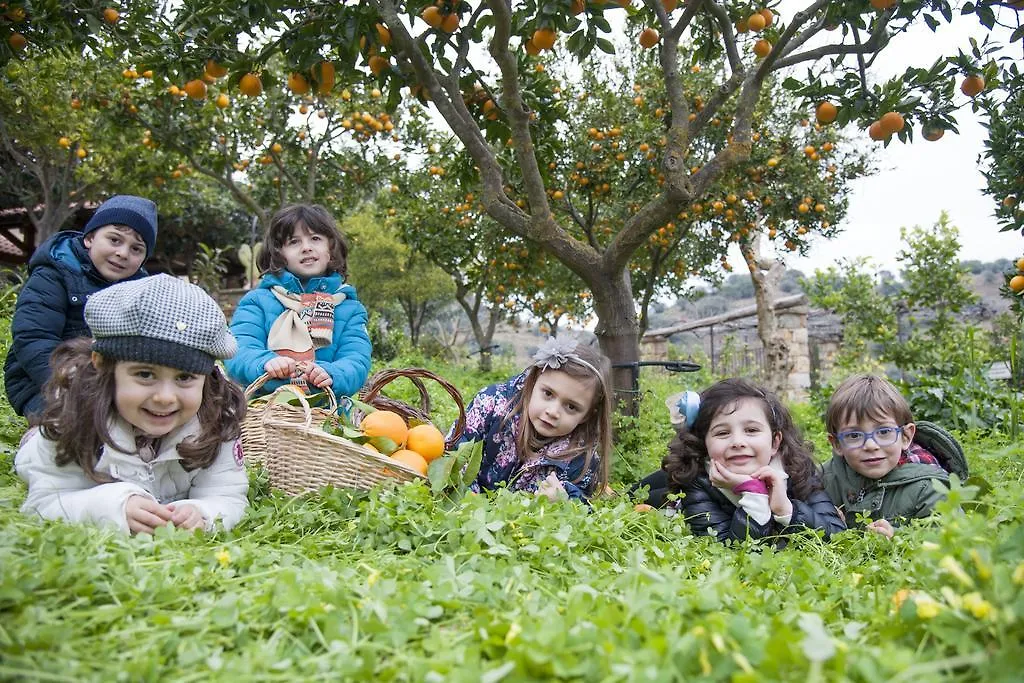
<point>481,334</point>
<point>766,274</point>
<point>618,334</point>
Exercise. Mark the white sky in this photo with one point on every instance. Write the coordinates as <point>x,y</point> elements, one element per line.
<point>917,181</point>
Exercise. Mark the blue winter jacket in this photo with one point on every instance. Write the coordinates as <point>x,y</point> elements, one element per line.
<point>50,309</point>
<point>347,359</point>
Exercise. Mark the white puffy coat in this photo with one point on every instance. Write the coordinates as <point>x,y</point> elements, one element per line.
<point>218,491</point>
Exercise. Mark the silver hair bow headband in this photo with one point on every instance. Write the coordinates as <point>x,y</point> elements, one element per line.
<point>556,352</point>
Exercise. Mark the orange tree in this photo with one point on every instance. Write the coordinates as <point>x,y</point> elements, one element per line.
<point>444,50</point>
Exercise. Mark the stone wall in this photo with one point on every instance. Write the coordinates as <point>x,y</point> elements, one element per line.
<point>793,330</point>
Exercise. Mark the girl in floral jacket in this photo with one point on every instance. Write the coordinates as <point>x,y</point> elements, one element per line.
<point>547,429</point>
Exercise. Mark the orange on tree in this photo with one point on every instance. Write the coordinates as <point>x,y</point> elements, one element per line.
<point>972,85</point>
<point>577,7</point>
<point>769,16</point>
<point>250,85</point>
<point>215,69</point>
<point>891,122</point>
<point>931,133</point>
<point>385,423</point>
<point>450,23</point>
<point>412,460</point>
<point>111,15</point>
<point>762,48</point>
<point>756,22</point>
<point>64,142</point>
<point>378,65</point>
<point>81,153</point>
<point>544,38</point>
<point>324,73</point>
<point>196,89</point>
<point>223,101</point>
<point>875,131</point>
<point>1020,264</point>
<point>383,34</point>
<point>432,15</point>
<point>883,4</point>
<point>826,112</point>
<point>17,41</point>
<point>1017,284</point>
<point>531,47</point>
<point>297,83</point>
<point>649,38</point>
<point>427,440</point>
<point>669,5</point>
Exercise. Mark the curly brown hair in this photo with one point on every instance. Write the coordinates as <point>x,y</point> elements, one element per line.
<point>687,456</point>
<point>79,399</point>
<point>312,217</point>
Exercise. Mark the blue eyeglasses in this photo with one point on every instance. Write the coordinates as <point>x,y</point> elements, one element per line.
<point>883,436</point>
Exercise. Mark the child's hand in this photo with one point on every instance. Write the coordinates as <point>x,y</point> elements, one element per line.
<point>723,477</point>
<point>318,377</point>
<point>551,487</point>
<point>186,517</point>
<point>882,527</point>
<point>778,499</point>
<point>280,367</point>
<point>145,514</point>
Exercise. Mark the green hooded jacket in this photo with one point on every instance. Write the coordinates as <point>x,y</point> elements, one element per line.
<point>906,492</point>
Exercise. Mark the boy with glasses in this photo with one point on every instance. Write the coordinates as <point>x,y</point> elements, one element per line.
<point>876,468</point>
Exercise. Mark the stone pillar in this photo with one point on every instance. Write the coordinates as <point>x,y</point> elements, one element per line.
<point>654,348</point>
<point>793,330</point>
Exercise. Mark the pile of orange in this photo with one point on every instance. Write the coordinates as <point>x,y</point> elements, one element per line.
<point>1016,283</point>
<point>417,446</point>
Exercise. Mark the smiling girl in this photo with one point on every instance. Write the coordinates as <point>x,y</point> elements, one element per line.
<point>303,322</point>
<point>744,468</point>
<point>140,428</point>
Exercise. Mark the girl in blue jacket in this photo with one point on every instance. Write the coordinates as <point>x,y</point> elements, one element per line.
<point>303,323</point>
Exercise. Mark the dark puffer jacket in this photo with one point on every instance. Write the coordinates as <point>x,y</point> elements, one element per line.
<point>50,310</point>
<point>710,513</point>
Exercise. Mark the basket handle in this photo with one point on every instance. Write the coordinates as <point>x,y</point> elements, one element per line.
<point>298,393</point>
<point>385,377</point>
<point>250,391</point>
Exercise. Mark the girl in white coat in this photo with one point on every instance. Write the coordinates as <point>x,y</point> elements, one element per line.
<point>140,428</point>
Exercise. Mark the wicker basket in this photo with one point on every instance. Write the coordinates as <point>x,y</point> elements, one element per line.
<point>306,458</point>
<point>254,441</point>
<point>371,395</point>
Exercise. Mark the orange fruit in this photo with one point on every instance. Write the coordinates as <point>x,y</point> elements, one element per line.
<point>385,423</point>
<point>649,38</point>
<point>643,507</point>
<point>81,153</point>
<point>1017,284</point>
<point>883,4</point>
<point>544,38</point>
<point>378,65</point>
<point>325,77</point>
<point>762,48</point>
<point>412,460</point>
<point>450,23</point>
<point>111,15</point>
<point>756,22</point>
<point>531,48</point>
<point>427,440</point>
<point>891,123</point>
<point>64,142</point>
<point>769,16</point>
<point>577,6</point>
<point>972,85</point>
<point>669,5</point>
<point>223,101</point>
<point>383,34</point>
<point>875,131</point>
<point>432,15</point>
<point>1020,264</point>
<point>931,133</point>
<point>215,69</point>
<point>297,83</point>
<point>17,41</point>
<point>196,89</point>
<point>250,85</point>
<point>826,112</point>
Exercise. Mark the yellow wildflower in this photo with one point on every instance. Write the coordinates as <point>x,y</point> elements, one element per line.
<point>928,545</point>
<point>927,608</point>
<point>950,564</point>
<point>899,597</point>
<point>855,578</point>
<point>978,606</point>
<point>1018,574</point>
<point>983,568</point>
<point>223,557</point>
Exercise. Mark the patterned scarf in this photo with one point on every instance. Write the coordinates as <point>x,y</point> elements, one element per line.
<point>305,325</point>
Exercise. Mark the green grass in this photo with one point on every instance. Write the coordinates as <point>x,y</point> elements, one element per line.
<point>399,585</point>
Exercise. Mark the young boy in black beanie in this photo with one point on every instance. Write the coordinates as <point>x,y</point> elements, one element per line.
<point>63,273</point>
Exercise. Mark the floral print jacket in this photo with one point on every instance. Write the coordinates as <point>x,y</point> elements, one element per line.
<point>486,421</point>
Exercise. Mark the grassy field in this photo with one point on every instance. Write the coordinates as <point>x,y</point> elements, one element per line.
<point>399,585</point>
